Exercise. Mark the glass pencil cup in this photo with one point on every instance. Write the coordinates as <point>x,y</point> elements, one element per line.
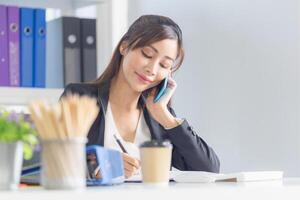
<point>64,163</point>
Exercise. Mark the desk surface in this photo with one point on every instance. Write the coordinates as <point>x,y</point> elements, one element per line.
<point>288,187</point>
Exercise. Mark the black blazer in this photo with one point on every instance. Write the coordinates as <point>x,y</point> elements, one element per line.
<point>190,152</point>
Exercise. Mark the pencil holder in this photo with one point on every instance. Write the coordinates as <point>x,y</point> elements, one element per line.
<point>64,163</point>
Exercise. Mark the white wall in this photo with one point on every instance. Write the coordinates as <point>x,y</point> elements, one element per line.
<point>239,85</point>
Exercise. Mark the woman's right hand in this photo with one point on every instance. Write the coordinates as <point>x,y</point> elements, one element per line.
<point>131,165</point>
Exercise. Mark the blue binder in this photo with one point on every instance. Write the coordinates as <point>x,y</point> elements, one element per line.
<point>39,48</point>
<point>26,50</point>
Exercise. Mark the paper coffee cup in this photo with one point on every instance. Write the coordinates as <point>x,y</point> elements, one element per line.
<point>156,161</point>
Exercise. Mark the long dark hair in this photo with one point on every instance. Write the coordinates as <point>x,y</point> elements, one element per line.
<point>146,30</point>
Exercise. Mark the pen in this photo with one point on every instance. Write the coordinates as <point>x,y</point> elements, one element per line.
<point>120,144</point>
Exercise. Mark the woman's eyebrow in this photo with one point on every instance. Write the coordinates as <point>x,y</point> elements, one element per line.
<point>154,49</point>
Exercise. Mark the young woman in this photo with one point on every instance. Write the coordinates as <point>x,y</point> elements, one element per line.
<point>149,52</point>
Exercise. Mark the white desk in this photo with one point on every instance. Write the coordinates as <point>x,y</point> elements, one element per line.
<point>289,188</point>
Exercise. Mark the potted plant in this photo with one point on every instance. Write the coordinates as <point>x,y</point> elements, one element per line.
<point>17,138</point>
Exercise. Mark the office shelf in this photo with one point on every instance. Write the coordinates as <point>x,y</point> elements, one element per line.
<point>14,96</point>
<point>59,4</point>
<point>111,18</point>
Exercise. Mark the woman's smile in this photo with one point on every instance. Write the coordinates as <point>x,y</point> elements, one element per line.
<point>143,79</point>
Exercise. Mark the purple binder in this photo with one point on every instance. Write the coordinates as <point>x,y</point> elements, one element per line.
<point>13,45</point>
<point>4,71</point>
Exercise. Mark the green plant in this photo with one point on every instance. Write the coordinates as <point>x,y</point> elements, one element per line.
<point>15,127</point>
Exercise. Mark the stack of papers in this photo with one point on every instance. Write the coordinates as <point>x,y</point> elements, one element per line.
<point>200,176</point>
<point>207,177</point>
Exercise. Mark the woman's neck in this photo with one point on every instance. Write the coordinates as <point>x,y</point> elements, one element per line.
<point>122,95</point>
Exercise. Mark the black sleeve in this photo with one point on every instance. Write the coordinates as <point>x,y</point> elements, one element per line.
<point>190,151</point>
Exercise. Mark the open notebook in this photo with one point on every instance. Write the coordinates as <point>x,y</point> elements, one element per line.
<point>207,177</point>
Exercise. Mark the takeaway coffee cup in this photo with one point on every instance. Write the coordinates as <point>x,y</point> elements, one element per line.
<point>156,161</point>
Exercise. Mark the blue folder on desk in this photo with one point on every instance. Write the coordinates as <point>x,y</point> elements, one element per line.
<point>104,167</point>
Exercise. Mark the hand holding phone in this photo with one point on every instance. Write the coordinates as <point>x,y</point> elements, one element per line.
<point>161,90</point>
<point>157,102</point>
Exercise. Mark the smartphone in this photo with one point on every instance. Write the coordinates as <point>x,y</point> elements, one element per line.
<point>162,86</point>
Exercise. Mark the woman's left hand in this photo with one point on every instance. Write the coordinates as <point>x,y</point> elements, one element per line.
<point>159,110</point>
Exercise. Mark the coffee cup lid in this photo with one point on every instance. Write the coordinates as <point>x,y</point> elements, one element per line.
<point>156,143</point>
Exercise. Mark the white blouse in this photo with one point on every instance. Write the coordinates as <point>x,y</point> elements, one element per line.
<point>142,134</point>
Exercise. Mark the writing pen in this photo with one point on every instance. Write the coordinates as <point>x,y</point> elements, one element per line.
<point>120,144</point>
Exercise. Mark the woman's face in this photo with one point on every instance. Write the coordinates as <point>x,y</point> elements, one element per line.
<point>147,66</point>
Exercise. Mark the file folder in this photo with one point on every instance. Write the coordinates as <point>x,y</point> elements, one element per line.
<point>63,52</point>
<point>4,68</point>
<point>39,48</point>
<point>88,49</point>
<point>54,55</point>
<point>14,45</point>
<point>26,32</point>
<point>72,58</point>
